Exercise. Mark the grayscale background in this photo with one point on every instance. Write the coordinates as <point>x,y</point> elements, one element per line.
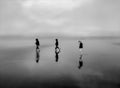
<point>95,22</point>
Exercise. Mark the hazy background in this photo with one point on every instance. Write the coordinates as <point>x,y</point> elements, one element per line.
<point>21,21</point>
<point>63,17</point>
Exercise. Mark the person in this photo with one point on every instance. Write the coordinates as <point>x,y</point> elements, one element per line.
<point>37,50</point>
<point>37,43</point>
<point>80,45</point>
<point>56,43</point>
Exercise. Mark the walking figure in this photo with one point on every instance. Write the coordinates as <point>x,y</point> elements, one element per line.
<point>80,62</point>
<point>37,50</point>
<point>37,43</point>
<point>56,43</point>
<point>80,45</point>
<point>57,50</point>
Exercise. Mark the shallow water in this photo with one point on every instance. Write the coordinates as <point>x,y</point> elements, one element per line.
<point>101,68</point>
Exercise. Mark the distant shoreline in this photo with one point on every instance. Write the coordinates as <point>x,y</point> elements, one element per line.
<point>60,37</point>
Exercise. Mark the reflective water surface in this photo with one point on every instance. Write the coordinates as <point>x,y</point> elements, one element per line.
<point>98,66</point>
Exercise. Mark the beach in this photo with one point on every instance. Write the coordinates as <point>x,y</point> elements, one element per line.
<point>101,68</point>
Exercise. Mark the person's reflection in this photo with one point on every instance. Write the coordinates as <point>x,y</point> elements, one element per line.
<point>57,51</point>
<point>37,55</point>
<point>80,61</point>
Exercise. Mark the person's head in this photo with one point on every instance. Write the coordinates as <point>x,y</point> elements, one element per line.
<point>79,41</point>
<point>56,39</point>
<point>36,39</point>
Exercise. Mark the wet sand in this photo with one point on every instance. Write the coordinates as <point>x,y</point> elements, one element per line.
<point>101,68</point>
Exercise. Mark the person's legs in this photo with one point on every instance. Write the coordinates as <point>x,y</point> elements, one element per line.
<point>37,47</point>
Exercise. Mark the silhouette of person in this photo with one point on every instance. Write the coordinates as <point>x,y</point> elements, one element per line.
<point>80,62</point>
<point>37,50</point>
<point>57,51</point>
<point>56,43</point>
<point>37,43</point>
<point>80,45</point>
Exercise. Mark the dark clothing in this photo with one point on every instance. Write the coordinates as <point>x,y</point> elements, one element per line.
<point>81,45</point>
<point>37,43</point>
<point>56,43</point>
<point>37,50</point>
<point>57,50</point>
<point>37,47</point>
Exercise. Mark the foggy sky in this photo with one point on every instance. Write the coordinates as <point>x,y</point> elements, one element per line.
<point>68,17</point>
